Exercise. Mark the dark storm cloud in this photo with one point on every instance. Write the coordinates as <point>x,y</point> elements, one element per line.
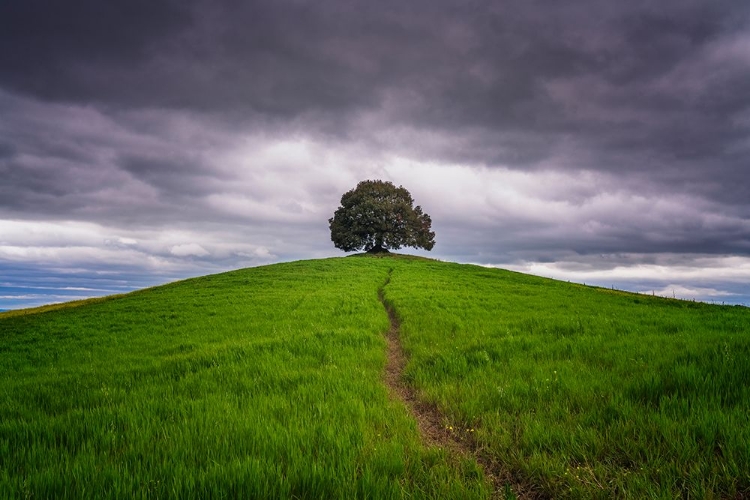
<point>523,77</point>
<point>172,176</point>
<point>595,85</point>
<point>7,150</point>
<point>560,129</point>
<point>58,157</point>
<point>51,47</point>
<point>208,56</point>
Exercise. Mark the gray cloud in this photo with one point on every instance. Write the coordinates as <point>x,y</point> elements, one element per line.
<point>56,46</point>
<point>529,131</point>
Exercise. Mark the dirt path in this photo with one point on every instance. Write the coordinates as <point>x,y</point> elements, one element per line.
<point>434,428</point>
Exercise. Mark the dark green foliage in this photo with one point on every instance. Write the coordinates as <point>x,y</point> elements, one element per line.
<point>377,216</point>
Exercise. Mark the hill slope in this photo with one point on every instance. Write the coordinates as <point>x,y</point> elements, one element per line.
<point>268,382</point>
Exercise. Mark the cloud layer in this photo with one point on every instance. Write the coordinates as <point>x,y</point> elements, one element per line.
<point>161,139</point>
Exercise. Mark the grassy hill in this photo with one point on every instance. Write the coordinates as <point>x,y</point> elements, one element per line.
<point>268,383</point>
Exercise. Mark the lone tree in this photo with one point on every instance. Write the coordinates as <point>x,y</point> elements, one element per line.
<point>377,216</point>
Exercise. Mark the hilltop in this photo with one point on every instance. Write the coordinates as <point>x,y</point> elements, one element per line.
<point>279,382</point>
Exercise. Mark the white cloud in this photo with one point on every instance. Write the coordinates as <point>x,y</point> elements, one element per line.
<point>43,233</point>
<point>688,292</point>
<point>697,269</point>
<point>188,250</point>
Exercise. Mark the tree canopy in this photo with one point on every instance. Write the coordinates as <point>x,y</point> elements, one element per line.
<point>377,216</point>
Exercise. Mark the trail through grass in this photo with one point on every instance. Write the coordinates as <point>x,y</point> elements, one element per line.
<point>583,392</point>
<point>268,383</point>
<point>262,383</point>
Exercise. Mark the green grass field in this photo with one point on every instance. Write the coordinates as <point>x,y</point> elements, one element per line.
<point>267,383</point>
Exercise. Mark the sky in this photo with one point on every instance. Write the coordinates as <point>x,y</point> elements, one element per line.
<point>602,142</point>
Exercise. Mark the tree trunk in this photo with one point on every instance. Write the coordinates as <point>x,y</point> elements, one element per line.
<point>378,249</point>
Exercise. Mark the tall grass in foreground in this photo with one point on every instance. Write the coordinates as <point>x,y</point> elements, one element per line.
<point>585,392</point>
<point>260,383</point>
<point>266,383</point>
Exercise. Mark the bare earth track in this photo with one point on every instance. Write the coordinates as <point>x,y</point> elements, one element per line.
<point>434,427</point>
